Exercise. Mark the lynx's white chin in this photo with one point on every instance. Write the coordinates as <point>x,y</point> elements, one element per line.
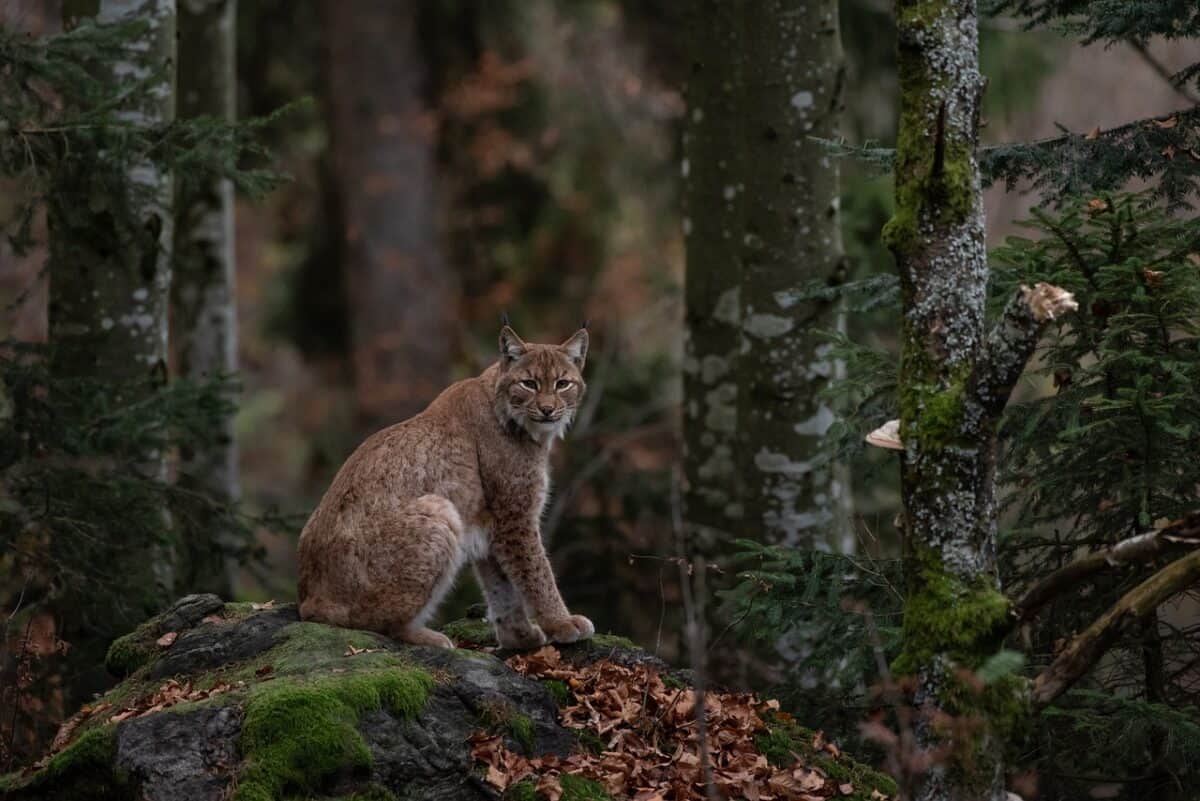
<point>548,431</point>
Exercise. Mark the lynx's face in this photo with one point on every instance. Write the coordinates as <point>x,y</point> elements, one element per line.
<point>541,385</point>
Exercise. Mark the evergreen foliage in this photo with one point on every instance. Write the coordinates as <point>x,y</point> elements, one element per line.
<point>1098,445</point>
<point>1104,451</point>
<point>80,509</point>
<point>1101,447</point>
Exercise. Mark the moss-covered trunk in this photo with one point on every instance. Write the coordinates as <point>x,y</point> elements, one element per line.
<point>712,169</point>
<point>793,78</point>
<point>110,266</point>
<point>955,614</point>
<point>400,291</point>
<point>203,307</point>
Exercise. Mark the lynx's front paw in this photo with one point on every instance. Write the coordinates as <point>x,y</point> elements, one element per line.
<point>523,637</point>
<point>568,629</point>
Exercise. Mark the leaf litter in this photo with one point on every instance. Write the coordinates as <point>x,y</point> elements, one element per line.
<point>651,747</point>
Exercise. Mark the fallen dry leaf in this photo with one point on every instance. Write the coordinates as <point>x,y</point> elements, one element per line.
<point>167,640</point>
<point>352,651</point>
<point>651,749</point>
<point>268,605</point>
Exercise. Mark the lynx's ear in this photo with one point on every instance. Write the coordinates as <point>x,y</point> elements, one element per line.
<point>511,346</point>
<point>576,347</point>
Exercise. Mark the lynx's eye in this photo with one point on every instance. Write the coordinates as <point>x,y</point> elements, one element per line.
<point>529,383</point>
<point>562,383</point>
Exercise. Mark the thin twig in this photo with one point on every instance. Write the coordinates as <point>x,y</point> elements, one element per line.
<point>693,607</point>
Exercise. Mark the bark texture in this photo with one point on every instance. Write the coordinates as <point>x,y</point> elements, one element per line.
<point>401,296</point>
<point>110,267</point>
<point>204,309</point>
<point>790,192</point>
<point>762,220</point>
<point>952,385</point>
<point>712,169</point>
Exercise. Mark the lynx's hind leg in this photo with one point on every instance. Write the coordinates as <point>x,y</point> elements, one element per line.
<point>506,610</point>
<point>416,564</point>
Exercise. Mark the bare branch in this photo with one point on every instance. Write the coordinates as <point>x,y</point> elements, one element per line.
<point>1131,611</point>
<point>1141,548</point>
<point>1013,338</point>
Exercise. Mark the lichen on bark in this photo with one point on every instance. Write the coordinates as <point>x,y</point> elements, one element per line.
<point>955,616</point>
<point>713,231</point>
<point>203,305</point>
<point>761,222</point>
<point>793,76</point>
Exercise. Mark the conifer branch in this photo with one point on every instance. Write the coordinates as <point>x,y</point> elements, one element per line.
<point>1143,547</point>
<point>1082,163</point>
<point>1131,612</point>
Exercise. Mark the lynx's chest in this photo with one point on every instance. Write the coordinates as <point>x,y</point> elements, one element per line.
<point>519,489</point>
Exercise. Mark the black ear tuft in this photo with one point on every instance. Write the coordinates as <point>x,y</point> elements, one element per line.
<point>585,325</point>
<point>504,318</point>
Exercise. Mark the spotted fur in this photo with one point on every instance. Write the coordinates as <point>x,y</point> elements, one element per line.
<point>464,481</point>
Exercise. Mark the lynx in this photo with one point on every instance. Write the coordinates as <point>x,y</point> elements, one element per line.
<point>462,482</point>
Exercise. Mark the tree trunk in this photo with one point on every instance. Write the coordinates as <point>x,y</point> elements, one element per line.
<point>110,280</point>
<point>204,311</point>
<point>762,220</point>
<point>401,296</point>
<point>712,169</point>
<point>954,381</point>
<point>793,77</point>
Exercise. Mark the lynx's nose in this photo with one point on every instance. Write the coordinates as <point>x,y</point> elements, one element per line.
<point>546,410</point>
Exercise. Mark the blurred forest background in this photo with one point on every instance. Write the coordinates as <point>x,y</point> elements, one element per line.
<point>449,161</point>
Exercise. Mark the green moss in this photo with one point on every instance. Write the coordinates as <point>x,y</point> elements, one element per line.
<point>83,771</point>
<point>673,682</point>
<point>590,741</point>
<point>947,193</point>
<point>521,729</point>
<point>559,690</point>
<point>611,641</point>
<point>308,648</point>
<point>372,793</point>
<point>577,788</point>
<point>784,740</point>
<point>524,790</point>
<point>503,716</point>
<point>941,419</point>
<point>235,610</point>
<point>297,733</point>
<point>130,652</point>
<point>472,631</point>
<point>943,615</point>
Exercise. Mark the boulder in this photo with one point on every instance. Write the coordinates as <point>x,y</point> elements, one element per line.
<point>246,702</point>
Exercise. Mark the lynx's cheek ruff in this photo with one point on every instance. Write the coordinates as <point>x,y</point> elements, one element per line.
<point>463,482</point>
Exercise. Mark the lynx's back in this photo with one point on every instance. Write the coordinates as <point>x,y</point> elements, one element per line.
<point>463,481</point>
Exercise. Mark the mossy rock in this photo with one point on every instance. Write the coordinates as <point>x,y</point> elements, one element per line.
<point>306,711</point>
<point>784,740</point>
<point>312,711</point>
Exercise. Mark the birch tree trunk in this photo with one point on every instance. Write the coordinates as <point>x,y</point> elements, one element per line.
<point>401,295</point>
<point>955,378</point>
<point>793,78</point>
<point>110,281</point>
<point>203,293</point>
<point>712,169</point>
